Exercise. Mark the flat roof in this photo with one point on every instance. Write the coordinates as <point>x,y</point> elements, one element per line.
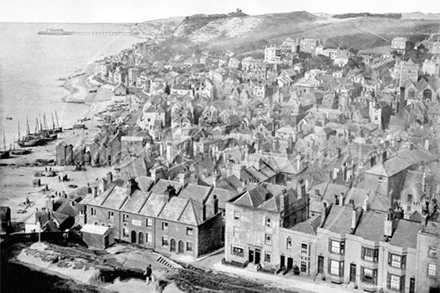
<point>94,229</point>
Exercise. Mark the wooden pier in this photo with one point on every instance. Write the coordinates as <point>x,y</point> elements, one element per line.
<point>101,33</point>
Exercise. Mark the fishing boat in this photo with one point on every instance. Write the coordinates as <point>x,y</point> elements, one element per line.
<point>31,139</point>
<point>8,118</point>
<point>19,152</point>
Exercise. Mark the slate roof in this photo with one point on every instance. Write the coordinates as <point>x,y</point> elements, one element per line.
<point>371,226</point>
<point>339,219</point>
<point>390,167</point>
<point>161,186</point>
<point>153,205</point>
<point>173,209</point>
<point>405,234</point>
<point>310,226</point>
<point>116,198</point>
<point>196,192</point>
<point>135,202</point>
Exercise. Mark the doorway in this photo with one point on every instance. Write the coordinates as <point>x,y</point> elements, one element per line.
<point>289,263</point>
<point>173,245</point>
<point>353,273</point>
<point>133,236</point>
<point>141,238</point>
<point>257,256</point>
<point>251,256</point>
<point>282,259</point>
<point>320,265</point>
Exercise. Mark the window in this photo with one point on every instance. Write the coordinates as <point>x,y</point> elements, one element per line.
<point>432,251</point>
<point>432,270</point>
<point>380,180</point>
<point>336,246</point>
<point>148,237</point>
<point>268,239</point>
<point>305,249</point>
<point>397,261</point>
<point>111,215</point>
<point>149,222</point>
<point>370,254</point>
<point>125,218</point>
<point>165,226</point>
<point>336,267</point>
<point>410,197</point>
<point>268,222</point>
<point>368,276</point>
<point>237,215</point>
<point>189,246</point>
<point>237,232</point>
<point>93,211</point>
<point>238,251</point>
<point>396,283</point>
<point>267,257</point>
<point>165,241</point>
<point>289,243</point>
<point>189,231</point>
<point>125,232</point>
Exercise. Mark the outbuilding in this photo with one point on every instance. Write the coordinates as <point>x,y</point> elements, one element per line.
<point>97,237</point>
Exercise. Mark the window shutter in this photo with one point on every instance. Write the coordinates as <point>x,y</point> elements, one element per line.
<point>388,280</point>
<point>389,258</point>
<point>376,254</point>
<point>403,261</point>
<point>362,274</point>
<point>329,266</point>
<point>375,277</point>
<point>329,245</point>
<point>342,247</point>
<point>362,252</point>
<point>341,269</point>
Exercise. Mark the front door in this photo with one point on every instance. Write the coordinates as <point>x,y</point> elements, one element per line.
<point>133,236</point>
<point>173,245</point>
<point>289,263</point>
<point>353,272</point>
<point>412,285</point>
<point>320,265</point>
<point>251,255</point>
<point>282,259</point>
<point>181,247</point>
<point>257,256</point>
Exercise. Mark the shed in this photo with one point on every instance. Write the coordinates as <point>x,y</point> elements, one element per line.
<point>98,237</point>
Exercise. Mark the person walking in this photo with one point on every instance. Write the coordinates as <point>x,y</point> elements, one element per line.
<point>149,275</point>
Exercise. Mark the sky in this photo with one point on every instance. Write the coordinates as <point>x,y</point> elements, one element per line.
<point>134,11</point>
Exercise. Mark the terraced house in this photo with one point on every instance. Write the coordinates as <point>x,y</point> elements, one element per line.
<point>172,217</point>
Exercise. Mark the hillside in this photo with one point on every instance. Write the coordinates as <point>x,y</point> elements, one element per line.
<point>244,33</point>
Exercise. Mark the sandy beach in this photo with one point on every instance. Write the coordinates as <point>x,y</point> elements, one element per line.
<point>17,172</point>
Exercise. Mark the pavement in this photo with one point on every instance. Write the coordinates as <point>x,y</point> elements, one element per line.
<point>287,282</point>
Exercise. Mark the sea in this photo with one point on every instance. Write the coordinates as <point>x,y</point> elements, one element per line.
<point>31,64</point>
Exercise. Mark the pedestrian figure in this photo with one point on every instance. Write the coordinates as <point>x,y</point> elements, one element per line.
<point>149,275</point>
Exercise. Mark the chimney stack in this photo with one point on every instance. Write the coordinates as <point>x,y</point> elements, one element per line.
<point>49,204</point>
<point>425,176</point>
<point>215,204</point>
<point>203,212</point>
<point>402,101</point>
<point>94,191</point>
<point>336,200</point>
<point>388,226</point>
<point>353,221</point>
<point>184,178</point>
<point>324,212</point>
<point>341,199</point>
<point>169,193</point>
<point>109,177</point>
<point>131,186</point>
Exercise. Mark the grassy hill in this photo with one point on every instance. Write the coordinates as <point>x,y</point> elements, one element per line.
<point>244,33</point>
